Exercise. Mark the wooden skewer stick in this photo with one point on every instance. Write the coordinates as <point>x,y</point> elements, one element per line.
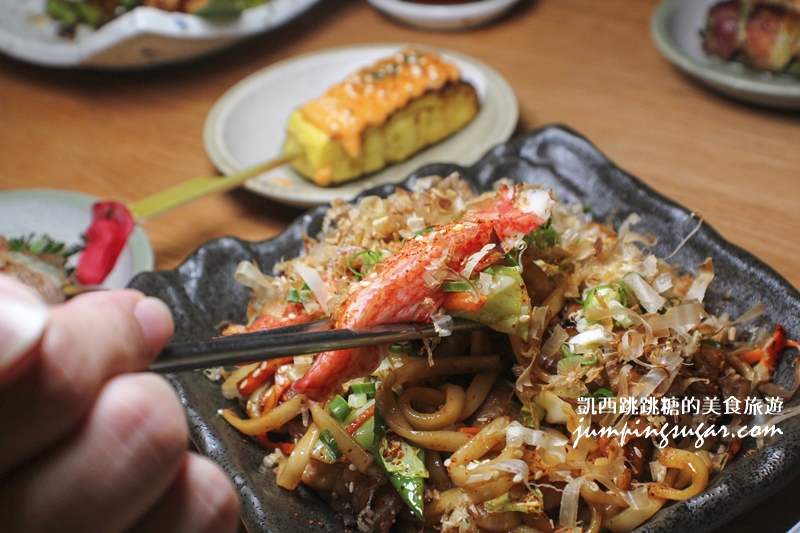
<point>193,189</point>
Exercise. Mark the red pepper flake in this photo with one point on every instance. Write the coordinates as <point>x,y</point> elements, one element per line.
<point>112,223</point>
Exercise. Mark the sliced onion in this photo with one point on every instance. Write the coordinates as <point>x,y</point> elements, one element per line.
<point>554,444</point>
<point>649,299</point>
<point>484,473</point>
<point>315,283</point>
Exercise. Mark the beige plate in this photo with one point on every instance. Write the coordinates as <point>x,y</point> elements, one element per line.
<point>247,124</point>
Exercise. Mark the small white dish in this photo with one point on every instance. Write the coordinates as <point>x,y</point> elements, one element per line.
<point>143,37</point>
<point>444,16</point>
<point>675,28</point>
<point>64,216</point>
<point>247,125</point>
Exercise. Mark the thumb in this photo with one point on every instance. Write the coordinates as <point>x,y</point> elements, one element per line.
<point>23,317</point>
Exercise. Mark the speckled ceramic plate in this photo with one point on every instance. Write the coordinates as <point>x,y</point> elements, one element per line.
<point>143,37</point>
<point>202,294</point>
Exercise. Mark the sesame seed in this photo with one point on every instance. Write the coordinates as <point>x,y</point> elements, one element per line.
<point>352,467</point>
<point>446,462</point>
<point>365,283</point>
<point>257,372</point>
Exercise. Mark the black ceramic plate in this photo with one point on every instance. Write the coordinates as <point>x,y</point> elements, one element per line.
<point>202,293</point>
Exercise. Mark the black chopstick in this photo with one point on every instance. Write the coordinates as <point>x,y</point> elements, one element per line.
<point>313,337</point>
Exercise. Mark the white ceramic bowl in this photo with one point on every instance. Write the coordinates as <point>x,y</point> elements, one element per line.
<point>444,16</point>
<point>142,37</point>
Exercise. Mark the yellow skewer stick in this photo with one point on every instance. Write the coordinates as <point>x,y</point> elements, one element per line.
<point>193,189</point>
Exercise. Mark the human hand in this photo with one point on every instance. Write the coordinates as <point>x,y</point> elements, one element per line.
<point>91,442</point>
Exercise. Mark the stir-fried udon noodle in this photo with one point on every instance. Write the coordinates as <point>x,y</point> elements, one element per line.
<point>500,430</point>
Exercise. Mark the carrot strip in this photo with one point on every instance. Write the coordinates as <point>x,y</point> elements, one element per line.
<point>753,356</point>
<point>774,348</point>
<point>365,415</point>
<point>260,374</point>
<point>469,431</point>
<point>464,301</point>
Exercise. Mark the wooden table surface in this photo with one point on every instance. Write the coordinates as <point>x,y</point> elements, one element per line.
<point>588,64</point>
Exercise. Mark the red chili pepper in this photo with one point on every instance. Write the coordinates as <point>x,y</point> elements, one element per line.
<point>112,223</point>
<point>260,374</point>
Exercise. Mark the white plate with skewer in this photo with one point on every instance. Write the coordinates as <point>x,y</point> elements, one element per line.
<point>247,124</point>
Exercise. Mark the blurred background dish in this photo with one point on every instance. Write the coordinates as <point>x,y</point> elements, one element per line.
<point>443,15</point>
<point>248,124</point>
<point>64,216</point>
<point>142,37</point>
<point>676,27</point>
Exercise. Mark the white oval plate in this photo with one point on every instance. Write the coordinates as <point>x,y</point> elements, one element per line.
<point>675,29</point>
<point>143,37</point>
<point>247,125</point>
<point>444,16</point>
<point>64,216</point>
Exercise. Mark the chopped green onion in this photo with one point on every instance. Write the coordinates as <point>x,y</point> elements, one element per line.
<point>511,260</point>
<point>424,231</point>
<point>456,286</point>
<point>367,388</point>
<point>368,259</point>
<point>600,393</point>
<point>294,297</point>
<point>545,236</point>
<point>712,342</point>
<point>339,408</point>
<point>590,361</point>
<point>489,270</point>
<point>566,351</point>
<point>327,440</point>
